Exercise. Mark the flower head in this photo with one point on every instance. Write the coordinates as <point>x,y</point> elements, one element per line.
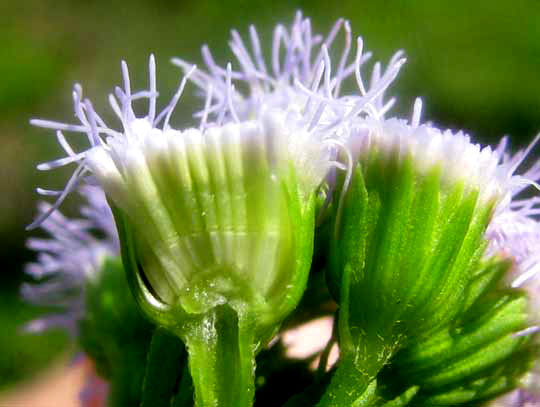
<point>228,171</point>
<point>515,231</point>
<point>411,227</point>
<point>68,259</point>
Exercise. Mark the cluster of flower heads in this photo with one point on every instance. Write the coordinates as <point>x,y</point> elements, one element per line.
<point>303,84</point>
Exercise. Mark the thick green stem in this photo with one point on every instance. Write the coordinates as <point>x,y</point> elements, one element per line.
<point>221,358</point>
<point>363,355</point>
<point>353,382</point>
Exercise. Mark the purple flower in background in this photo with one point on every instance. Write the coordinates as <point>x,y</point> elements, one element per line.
<point>70,256</point>
<point>515,232</point>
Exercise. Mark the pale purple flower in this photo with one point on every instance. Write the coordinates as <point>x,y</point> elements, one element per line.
<point>514,233</point>
<point>69,257</point>
<point>518,398</point>
<point>515,230</point>
<point>300,76</point>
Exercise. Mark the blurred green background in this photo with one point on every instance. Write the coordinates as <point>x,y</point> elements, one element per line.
<point>475,64</point>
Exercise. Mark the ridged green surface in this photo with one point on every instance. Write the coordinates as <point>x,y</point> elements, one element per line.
<point>403,254</point>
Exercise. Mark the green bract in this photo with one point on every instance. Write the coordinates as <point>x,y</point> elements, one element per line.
<point>479,356</point>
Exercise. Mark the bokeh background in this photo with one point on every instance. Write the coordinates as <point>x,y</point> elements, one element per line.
<point>475,63</point>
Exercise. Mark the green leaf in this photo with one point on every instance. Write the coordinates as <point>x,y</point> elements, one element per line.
<point>115,334</point>
<point>165,363</point>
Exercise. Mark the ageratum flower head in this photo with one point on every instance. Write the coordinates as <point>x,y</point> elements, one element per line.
<point>419,172</point>
<point>491,347</point>
<point>514,231</point>
<point>79,274</point>
<point>417,209</point>
<point>69,259</point>
<point>202,209</point>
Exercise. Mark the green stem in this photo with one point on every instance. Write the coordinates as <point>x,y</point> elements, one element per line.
<point>221,358</point>
<point>353,382</point>
<point>363,355</point>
